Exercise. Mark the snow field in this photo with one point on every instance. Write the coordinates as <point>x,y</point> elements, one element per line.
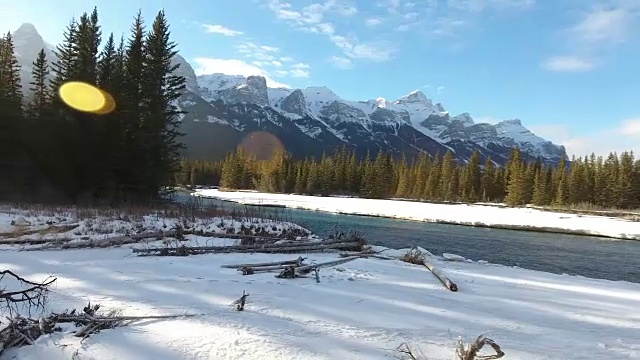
<point>360,310</point>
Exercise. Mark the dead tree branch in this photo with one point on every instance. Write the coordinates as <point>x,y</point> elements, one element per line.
<point>471,352</point>
<point>239,304</point>
<point>33,294</point>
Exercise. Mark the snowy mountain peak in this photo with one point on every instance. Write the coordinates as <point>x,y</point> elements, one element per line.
<point>321,92</point>
<point>440,108</point>
<point>464,118</point>
<point>515,122</point>
<point>415,97</point>
<point>381,102</point>
<point>27,28</point>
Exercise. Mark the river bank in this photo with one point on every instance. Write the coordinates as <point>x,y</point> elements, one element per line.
<point>363,309</point>
<point>522,219</point>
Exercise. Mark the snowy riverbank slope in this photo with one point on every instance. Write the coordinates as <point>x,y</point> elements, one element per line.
<point>476,215</point>
<point>359,310</point>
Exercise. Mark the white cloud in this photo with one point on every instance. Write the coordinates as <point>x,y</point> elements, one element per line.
<point>445,18</point>
<point>625,136</point>
<point>603,25</point>
<point>630,127</point>
<point>568,63</point>
<point>233,67</point>
<point>440,89</point>
<point>312,18</point>
<point>483,5</point>
<point>269,60</point>
<point>222,30</point>
<point>341,62</point>
<point>373,22</point>
<point>599,29</point>
<point>299,70</point>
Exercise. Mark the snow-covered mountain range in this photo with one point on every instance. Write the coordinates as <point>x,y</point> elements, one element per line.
<point>223,109</point>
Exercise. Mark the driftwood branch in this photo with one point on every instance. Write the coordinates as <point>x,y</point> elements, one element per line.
<point>297,261</point>
<point>260,248</point>
<point>415,256</point>
<point>22,331</point>
<point>239,304</point>
<point>471,352</point>
<point>292,272</point>
<point>33,294</point>
<point>407,352</point>
<point>104,243</point>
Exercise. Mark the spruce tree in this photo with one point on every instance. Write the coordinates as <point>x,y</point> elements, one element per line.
<point>41,93</point>
<point>431,191</point>
<point>10,88</point>
<point>445,185</point>
<point>161,119</point>
<point>488,184</point>
<point>516,186</point>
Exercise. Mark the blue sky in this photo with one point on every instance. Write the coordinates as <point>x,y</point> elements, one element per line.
<point>569,69</point>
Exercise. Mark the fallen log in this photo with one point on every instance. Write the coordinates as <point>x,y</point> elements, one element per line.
<point>246,239</point>
<point>256,246</point>
<point>266,248</point>
<point>187,250</point>
<point>366,254</point>
<point>443,279</point>
<point>292,272</point>
<point>308,268</point>
<point>283,262</point>
<point>109,242</point>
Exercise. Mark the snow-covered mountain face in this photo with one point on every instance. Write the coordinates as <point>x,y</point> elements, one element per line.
<point>222,109</point>
<point>28,43</point>
<point>414,110</point>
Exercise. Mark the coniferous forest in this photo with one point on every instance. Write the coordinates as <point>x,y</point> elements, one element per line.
<point>51,152</point>
<point>611,182</point>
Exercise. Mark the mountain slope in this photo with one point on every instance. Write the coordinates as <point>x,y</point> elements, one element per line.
<point>222,110</point>
<point>410,124</point>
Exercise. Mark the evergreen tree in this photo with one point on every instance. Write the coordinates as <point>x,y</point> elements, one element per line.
<point>41,93</point>
<point>161,121</point>
<point>516,182</point>
<point>10,88</point>
<point>431,191</point>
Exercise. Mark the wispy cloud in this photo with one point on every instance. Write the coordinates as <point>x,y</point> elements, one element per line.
<point>341,62</point>
<point>373,22</point>
<point>569,63</point>
<point>445,18</point>
<point>630,127</point>
<point>219,29</point>
<point>599,28</point>
<point>269,59</point>
<point>313,18</point>
<point>256,59</point>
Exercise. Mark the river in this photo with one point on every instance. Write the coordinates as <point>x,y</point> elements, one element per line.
<point>587,256</point>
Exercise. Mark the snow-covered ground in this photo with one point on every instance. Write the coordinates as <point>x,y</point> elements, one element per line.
<point>359,310</point>
<point>477,215</point>
<point>71,226</point>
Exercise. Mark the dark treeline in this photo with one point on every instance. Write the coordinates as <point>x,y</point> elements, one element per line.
<point>50,151</point>
<point>611,182</point>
